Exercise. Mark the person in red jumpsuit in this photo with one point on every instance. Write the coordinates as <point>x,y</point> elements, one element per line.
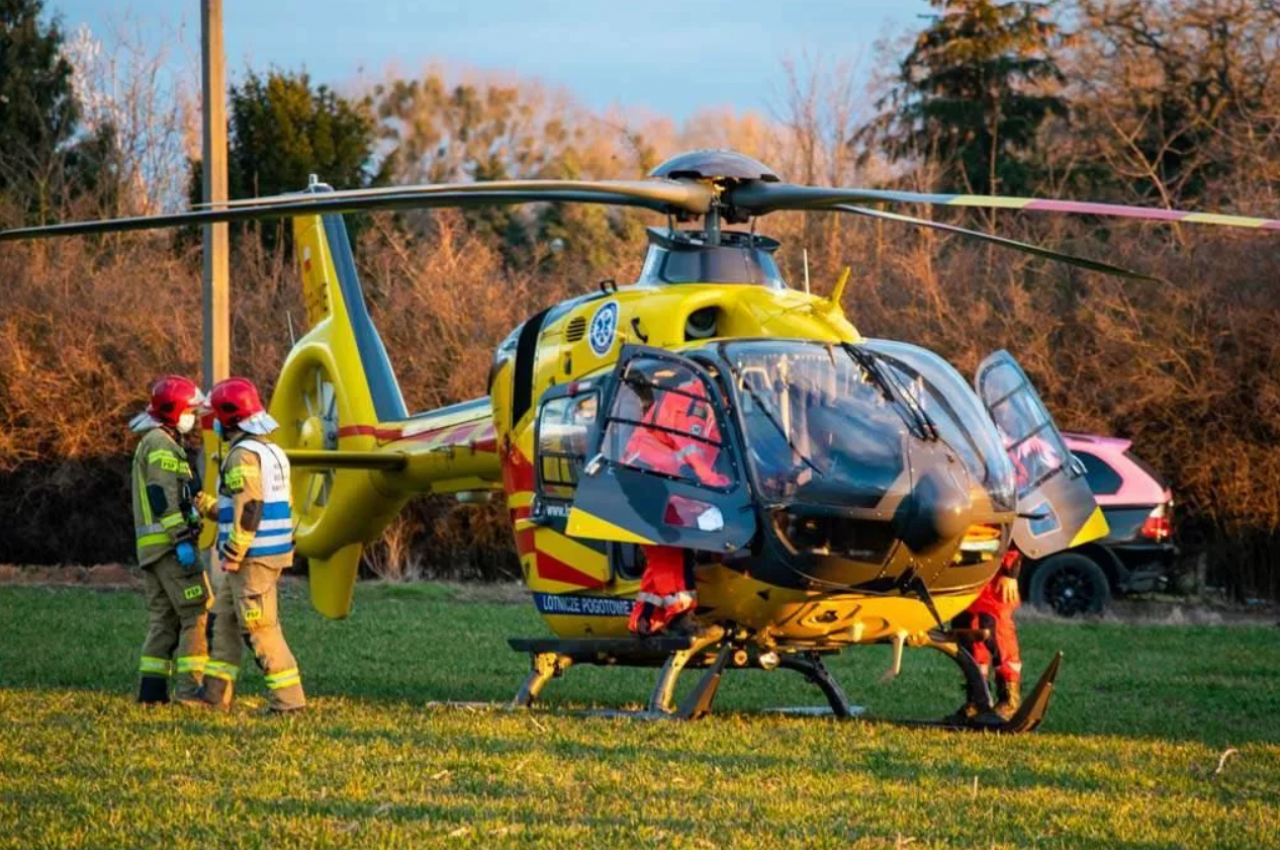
<point>684,444</point>
<point>993,611</point>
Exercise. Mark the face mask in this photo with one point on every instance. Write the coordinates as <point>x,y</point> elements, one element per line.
<point>186,422</point>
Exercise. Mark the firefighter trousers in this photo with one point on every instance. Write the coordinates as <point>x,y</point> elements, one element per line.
<point>1000,649</point>
<point>247,610</point>
<point>178,599</point>
<point>667,589</point>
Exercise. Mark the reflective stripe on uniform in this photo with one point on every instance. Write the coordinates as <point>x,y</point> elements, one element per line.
<point>687,450</point>
<point>273,537</point>
<point>169,462</point>
<point>140,489</point>
<point>234,478</point>
<point>155,666</point>
<point>684,597</point>
<point>284,679</point>
<point>277,510</point>
<point>191,663</point>
<point>221,670</point>
<point>172,520</point>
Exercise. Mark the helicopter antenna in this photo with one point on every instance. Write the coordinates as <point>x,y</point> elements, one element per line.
<point>806,271</point>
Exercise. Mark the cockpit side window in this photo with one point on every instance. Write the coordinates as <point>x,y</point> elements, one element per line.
<point>1030,438</point>
<point>564,424</point>
<point>663,422</point>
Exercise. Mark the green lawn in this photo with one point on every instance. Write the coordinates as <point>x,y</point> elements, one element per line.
<point>1126,757</point>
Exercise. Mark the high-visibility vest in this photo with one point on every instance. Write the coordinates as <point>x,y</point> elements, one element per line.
<point>275,531</point>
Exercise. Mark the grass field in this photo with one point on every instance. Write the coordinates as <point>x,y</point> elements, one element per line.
<point>1127,757</point>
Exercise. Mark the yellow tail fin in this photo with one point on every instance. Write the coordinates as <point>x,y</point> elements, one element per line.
<point>334,390</point>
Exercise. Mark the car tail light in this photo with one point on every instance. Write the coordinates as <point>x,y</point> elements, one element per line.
<point>690,513</point>
<point>1158,525</point>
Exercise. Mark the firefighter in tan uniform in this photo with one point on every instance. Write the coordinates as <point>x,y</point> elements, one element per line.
<point>166,518</point>
<point>255,543</point>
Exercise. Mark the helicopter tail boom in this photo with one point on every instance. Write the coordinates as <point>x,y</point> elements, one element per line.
<point>358,456</point>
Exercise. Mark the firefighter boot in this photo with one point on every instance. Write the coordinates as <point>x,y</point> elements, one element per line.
<point>967,714</point>
<point>1009,694</point>
<point>218,689</point>
<point>153,690</point>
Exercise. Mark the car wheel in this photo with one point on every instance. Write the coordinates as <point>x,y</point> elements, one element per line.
<point>1070,584</point>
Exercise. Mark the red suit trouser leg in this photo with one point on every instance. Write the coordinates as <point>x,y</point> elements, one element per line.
<point>1000,649</point>
<point>666,589</point>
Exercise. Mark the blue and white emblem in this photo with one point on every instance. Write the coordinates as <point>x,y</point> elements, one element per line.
<point>604,327</point>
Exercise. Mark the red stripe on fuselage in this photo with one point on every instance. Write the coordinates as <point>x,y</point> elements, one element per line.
<point>553,569</point>
<point>479,436</point>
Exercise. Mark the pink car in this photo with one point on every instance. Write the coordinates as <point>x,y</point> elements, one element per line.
<point>1138,553</point>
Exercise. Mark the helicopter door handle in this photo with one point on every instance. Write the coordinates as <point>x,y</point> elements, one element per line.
<point>593,466</point>
<point>635,326</point>
<point>1076,466</point>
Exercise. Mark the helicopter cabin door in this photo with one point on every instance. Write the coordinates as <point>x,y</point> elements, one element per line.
<point>664,465</point>
<point>1056,508</point>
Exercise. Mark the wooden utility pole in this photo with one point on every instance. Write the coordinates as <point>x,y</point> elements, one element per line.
<point>217,302</point>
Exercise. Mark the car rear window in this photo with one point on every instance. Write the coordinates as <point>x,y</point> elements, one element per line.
<point>1147,468</point>
<point>1103,480</point>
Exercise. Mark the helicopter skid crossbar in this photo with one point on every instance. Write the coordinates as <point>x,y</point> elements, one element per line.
<point>707,650</point>
<point>714,651</point>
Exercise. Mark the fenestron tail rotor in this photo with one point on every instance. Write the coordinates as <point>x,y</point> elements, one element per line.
<point>317,430</point>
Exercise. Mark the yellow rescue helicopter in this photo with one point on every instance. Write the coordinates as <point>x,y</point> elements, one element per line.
<point>864,491</point>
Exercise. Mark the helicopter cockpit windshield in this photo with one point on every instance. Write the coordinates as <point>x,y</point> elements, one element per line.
<point>685,256</point>
<point>818,426</point>
<point>826,424</point>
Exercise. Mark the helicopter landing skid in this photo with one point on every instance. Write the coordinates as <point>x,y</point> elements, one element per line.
<point>1028,716</point>
<point>707,650</point>
<point>710,651</point>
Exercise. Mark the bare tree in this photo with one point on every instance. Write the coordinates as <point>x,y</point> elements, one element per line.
<point>147,99</point>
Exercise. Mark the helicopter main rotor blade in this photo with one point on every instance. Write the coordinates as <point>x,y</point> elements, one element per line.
<point>1024,247</point>
<point>659,195</point>
<point>759,198</point>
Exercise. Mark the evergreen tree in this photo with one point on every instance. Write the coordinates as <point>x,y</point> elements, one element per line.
<point>283,130</point>
<point>38,110</point>
<point>973,92</point>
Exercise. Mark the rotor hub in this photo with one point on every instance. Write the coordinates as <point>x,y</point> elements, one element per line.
<point>718,166</point>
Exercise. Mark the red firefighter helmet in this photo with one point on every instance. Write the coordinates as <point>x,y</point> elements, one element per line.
<point>171,397</point>
<point>236,404</point>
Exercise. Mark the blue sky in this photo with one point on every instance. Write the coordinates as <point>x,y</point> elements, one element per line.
<point>670,57</point>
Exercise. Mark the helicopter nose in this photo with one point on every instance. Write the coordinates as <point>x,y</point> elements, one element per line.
<point>940,509</point>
